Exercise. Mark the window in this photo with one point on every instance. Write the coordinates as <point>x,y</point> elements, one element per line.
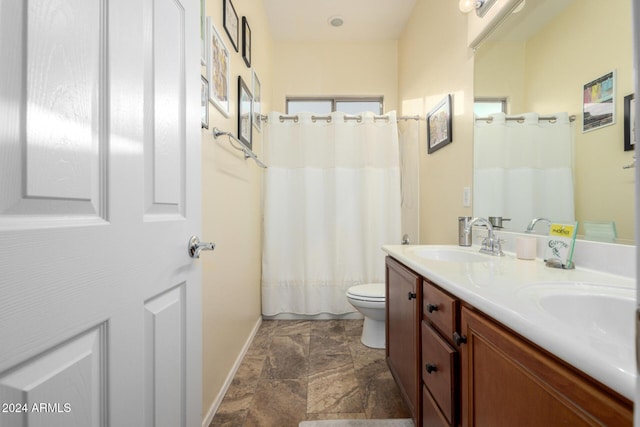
<point>327,105</point>
<point>484,106</point>
<point>317,106</point>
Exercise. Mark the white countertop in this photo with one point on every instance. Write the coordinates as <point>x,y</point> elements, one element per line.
<point>505,288</point>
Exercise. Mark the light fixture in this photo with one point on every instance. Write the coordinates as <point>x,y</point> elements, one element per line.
<point>520,7</point>
<point>467,6</point>
<point>336,21</point>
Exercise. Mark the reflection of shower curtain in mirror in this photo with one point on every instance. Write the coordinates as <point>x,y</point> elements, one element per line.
<point>524,170</point>
<point>332,199</point>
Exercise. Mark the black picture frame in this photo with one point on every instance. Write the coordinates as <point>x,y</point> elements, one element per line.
<point>439,125</point>
<point>245,115</point>
<point>629,123</point>
<point>246,41</point>
<point>230,22</point>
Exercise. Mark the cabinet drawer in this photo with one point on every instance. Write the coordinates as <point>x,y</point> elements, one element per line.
<point>440,308</point>
<point>431,415</point>
<point>438,370</point>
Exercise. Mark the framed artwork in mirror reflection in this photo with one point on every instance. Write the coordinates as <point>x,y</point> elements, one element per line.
<point>439,125</point>
<point>599,102</point>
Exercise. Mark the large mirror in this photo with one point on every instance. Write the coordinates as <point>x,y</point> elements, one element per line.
<point>540,60</point>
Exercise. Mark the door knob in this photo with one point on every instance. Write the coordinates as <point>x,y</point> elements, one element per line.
<point>196,246</point>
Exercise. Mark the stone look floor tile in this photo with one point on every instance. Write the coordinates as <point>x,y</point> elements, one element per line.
<point>328,345</point>
<point>298,370</point>
<point>353,327</point>
<point>293,327</point>
<point>336,390</point>
<point>287,358</point>
<point>278,403</point>
<point>328,327</point>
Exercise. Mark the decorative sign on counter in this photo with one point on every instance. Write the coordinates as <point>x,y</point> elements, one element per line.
<point>560,243</point>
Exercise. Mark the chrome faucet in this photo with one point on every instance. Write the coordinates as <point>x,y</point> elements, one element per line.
<point>491,244</point>
<point>534,222</point>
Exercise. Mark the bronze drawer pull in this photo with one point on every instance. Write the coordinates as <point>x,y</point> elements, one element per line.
<point>459,339</point>
<point>430,368</point>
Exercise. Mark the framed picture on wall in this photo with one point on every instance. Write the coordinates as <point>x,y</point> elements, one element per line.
<point>246,42</point>
<point>599,102</point>
<point>244,113</point>
<point>218,70</point>
<point>203,34</point>
<point>257,108</point>
<point>439,125</point>
<point>230,22</point>
<point>204,102</point>
<point>629,123</point>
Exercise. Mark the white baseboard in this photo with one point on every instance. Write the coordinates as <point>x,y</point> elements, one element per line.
<point>218,400</point>
<point>322,316</point>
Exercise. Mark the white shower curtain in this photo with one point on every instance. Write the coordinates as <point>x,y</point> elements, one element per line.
<point>524,170</point>
<point>332,199</point>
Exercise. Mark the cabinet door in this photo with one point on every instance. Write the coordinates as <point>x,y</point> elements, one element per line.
<point>402,333</point>
<point>507,381</point>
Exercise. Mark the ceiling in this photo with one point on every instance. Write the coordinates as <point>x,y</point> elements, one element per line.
<point>364,20</point>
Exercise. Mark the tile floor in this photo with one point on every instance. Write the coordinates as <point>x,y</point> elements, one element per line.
<point>299,370</point>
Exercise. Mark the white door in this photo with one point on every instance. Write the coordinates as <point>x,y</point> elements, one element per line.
<point>100,315</point>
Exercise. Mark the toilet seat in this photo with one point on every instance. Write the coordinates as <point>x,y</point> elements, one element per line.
<point>374,292</point>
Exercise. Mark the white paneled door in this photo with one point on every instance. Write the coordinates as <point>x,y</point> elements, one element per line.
<point>100,309</point>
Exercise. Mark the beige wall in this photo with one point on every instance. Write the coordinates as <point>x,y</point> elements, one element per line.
<point>433,60</point>
<point>335,69</point>
<point>499,73</point>
<point>231,215</point>
<point>559,60</point>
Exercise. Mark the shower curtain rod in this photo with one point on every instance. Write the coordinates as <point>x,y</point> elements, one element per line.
<point>346,118</point>
<point>416,117</point>
<point>521,119</point>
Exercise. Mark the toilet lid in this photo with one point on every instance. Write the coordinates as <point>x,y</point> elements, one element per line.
<point>369,291</point>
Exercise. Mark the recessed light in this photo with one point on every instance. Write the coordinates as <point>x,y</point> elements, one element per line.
<point>336,21</point>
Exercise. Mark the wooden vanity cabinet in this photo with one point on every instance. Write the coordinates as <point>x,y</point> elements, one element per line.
<point>455,366</point>
<point>402,329</point>
<point>506,381</point>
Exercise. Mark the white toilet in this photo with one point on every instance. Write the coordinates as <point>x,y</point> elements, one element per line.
<point>369,300</point>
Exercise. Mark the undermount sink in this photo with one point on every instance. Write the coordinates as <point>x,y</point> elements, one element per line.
<point>449,253</point>
<point>603,311</point>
